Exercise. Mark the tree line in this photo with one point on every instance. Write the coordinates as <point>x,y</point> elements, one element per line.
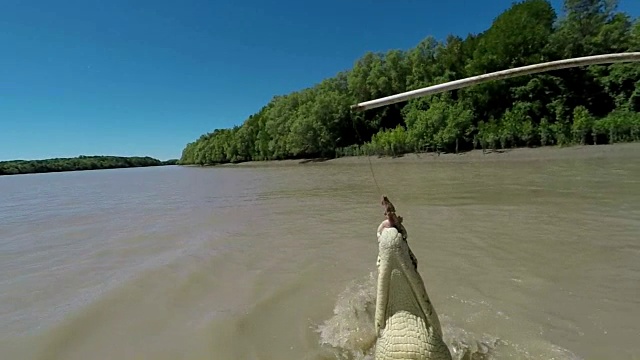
<point>597,104</point>
<point>82,162</point>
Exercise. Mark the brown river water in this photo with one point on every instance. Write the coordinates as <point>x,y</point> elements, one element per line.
<point>533,254</point>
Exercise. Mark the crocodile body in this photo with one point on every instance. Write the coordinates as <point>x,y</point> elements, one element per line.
<point>406,322</point>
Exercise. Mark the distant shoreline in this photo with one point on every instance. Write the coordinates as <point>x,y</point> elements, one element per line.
<point>515,154</point>
<point>80,163</point>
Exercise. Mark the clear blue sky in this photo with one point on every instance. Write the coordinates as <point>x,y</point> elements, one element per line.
<point>143,77</point>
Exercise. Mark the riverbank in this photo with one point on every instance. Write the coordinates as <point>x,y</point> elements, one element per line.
<point>516,154</point>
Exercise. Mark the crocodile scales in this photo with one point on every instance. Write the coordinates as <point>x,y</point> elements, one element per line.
<point>407,325</point>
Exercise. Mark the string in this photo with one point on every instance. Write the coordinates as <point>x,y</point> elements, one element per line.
<point>373,175</point>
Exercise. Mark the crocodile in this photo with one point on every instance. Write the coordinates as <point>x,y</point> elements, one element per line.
<point>407,326</point>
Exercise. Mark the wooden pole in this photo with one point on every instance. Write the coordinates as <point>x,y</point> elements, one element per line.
<point>499,75</point>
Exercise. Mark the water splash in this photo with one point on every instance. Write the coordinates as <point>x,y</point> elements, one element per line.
<point>465,345</point>
<point>350,334</point>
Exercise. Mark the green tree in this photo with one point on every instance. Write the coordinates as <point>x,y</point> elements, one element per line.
<point>594,104</point>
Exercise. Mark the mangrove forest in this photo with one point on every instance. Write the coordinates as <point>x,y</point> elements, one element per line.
<point>598,104</point>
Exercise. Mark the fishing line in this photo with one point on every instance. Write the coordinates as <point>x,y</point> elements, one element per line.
<point>374,176</point>
<point>356,115</point>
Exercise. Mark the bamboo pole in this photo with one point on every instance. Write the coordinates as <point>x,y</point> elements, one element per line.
<point>499,75</point>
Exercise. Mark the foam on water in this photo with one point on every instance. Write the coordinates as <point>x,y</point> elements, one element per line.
<point>350,335</point>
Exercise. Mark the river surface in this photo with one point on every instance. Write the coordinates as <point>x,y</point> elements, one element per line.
<point>532,258</point>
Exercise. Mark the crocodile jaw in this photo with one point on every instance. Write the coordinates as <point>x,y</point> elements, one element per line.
<point>406,323</point>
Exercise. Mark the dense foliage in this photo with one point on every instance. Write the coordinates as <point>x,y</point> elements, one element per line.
<point>588,105</point>
<point>79,163</point>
